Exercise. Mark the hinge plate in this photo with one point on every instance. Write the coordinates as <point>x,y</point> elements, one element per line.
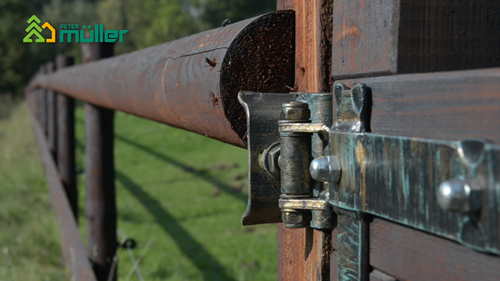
<point>263,113</point>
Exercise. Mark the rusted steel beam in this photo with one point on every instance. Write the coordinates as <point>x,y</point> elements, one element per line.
<point>191,83</point>
<point>100,177</point>
<point>51,115</point>
<point>66,140</point>
<point>75,255</point>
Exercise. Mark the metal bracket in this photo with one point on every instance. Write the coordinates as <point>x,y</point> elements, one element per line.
<point>263,113</point>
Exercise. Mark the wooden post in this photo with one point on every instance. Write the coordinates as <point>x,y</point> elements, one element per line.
<point>51,115</point>
<point>66,140</point>
<point>42,104</point>
<point>304,254</point>
<point>100,176</point>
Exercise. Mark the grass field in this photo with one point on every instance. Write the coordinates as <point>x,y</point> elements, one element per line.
<point>179,195</point>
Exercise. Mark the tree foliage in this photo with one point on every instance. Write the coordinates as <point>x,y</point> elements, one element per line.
<point>149,22</point>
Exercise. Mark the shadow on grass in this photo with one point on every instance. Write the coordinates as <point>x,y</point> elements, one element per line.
<point>186,168</point>
<point>200,173</point>
<point>207,264</point>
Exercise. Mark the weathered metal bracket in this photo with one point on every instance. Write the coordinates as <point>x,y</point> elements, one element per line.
<point>263,113</point>
<point>398,179</point>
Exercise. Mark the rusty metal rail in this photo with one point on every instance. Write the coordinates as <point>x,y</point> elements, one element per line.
<point>191,83</point>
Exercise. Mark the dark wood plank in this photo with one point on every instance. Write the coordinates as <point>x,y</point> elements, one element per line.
<point>383,37</point>
<point>100,203</point>
<point>444,105</point>
<point>51,115</point>
<point>409,254</point>
<point>66,140</point>
<point>376,275</point>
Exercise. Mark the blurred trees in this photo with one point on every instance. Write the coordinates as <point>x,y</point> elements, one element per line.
<point>150,22</point>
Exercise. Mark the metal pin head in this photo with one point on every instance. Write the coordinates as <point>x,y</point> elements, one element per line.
<point>326,169</point>
<point>459,195</point>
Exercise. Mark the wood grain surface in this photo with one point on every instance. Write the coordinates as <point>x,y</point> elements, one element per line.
<point>408,254</point>
<point>444,105</point>
<point>383,37</point>
<point>304,254</point>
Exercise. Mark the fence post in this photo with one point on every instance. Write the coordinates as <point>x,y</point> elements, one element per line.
<point>100,176</point>
<point>66,140</point>
<point>42,103</point>
<point>51,115</point>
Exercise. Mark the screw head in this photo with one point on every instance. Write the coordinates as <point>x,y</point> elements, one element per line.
<point>295,111</point>
<point>326,169</point>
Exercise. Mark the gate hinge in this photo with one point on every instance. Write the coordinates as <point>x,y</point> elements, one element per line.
<point>307,163</point>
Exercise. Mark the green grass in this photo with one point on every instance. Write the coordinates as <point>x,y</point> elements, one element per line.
<point>182,192</point>
<point>29,237</point>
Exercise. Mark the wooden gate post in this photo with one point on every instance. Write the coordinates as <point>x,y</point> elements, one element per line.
<point>66,140</point>
<point>100,176</point>
<point>307,254</point>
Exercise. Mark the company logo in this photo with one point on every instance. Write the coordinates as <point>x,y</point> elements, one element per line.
<point>35,29</point>
<point>73,33</point>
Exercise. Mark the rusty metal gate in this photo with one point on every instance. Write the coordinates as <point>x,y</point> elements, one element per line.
<point>372,127</point>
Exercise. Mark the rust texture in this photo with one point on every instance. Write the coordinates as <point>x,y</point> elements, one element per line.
<point>100,177</point>
<point>379,37</point>
<point>66,140</point>
<point>73,250</point>
<point>173,84</point>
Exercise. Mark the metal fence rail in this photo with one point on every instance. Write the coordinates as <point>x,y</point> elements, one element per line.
<point>191,83</point>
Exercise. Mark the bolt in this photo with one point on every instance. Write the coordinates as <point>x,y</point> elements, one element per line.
<point>295,111</point>
<point>326,169</point>
<point>458,195</point>
<point>294,219</point>
<point>269,160</point>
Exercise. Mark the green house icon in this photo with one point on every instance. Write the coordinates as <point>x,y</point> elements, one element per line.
<point>33,29</point>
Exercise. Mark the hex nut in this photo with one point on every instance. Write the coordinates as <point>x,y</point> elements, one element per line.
<point>295,111</point>
<point>296,219</point>
<point>269,160</point>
